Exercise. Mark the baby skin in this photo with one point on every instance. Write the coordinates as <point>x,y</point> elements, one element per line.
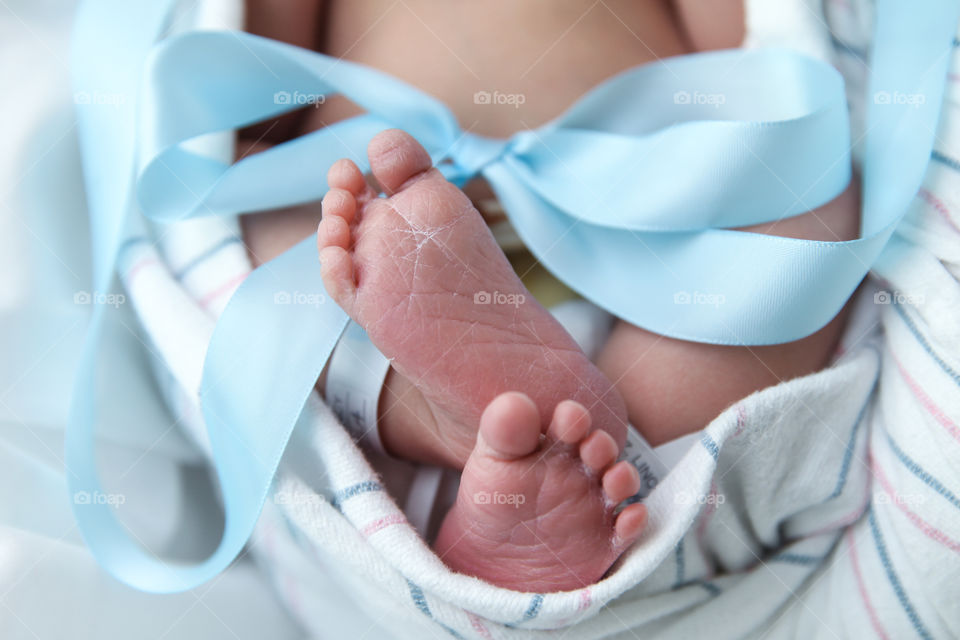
<point>540,483</point>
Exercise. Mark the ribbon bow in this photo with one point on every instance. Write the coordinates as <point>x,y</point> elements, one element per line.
<point>629,197</point>
<point>626,197</point>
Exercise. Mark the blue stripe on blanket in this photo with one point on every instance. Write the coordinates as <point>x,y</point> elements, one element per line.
<point>366,486</point>
<point>420,601</point>
<point>849,49</point>
<point>848,454</point>
<point>921,473</point>
<point>895,581</point>
<point>923,342</point>
<point>710,445</point>
<point>681,577</point>
<point>416,594</point>
<point>801,559</point>
<point>681,566</point>
<point>945,160</point>
<point>534,609</point>
<point>207,253</point>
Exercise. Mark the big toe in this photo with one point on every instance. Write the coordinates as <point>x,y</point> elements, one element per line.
<point>395,158</point>
<point>509,427</point>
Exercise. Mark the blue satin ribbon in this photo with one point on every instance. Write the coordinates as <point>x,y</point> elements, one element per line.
<point>629,197</point>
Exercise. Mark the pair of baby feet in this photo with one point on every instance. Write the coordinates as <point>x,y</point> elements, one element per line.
<point>540,483</point>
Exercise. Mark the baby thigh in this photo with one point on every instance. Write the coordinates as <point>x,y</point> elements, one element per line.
<point>674,387</point>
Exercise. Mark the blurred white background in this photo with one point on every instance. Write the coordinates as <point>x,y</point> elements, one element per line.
<point>50,586</point>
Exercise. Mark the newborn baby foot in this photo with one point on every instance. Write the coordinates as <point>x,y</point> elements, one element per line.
<point>537,513</point>
<point>421,272</point>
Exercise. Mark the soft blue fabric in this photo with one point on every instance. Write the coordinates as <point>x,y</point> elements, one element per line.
<point>628,197</point>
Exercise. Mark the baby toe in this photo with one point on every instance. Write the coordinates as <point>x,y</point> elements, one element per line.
<point>630,524</point>
<point>570,423</point>
<point>339,203</point>
<point>598,451</point>
<point>395,158</point>
<point>509,427</point>
<point>333,232</point>
<point>345,174</point>
<point>620,482</point>
<point>336,269</point>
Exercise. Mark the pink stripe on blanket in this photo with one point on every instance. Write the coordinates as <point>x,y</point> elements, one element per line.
<point>382,523</point>
<point>586,599</point>
<point>928,529</point>
<point>927,402</point>
<point>139,265</point>
<point>939,206</point>
<point>227,286</point>
<point>862,588</point>
<point>478,625</point>
<point>741,420</point>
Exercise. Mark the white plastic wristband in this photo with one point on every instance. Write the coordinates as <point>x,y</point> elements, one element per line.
<point>355,378</point>
<point>654,463</point>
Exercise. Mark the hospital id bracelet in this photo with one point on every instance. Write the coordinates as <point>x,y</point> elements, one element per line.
<point>355,378</point>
